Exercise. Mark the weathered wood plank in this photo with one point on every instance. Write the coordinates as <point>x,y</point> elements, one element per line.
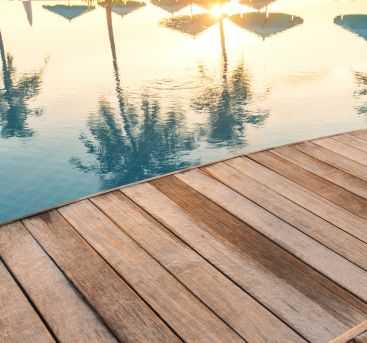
<point>324,170</point>
<point>318,185</point>
<point>338,161</point>
<point>260,267</point>
<point>355,331</point>
<point>362,338</point>
<point>19,323</point>
<point>168,297</point>
<point>250,319</point>
<point>305,248</point>
<point>362,134</point>
<point>66,313</point>
<point>353,141</point>
<point>343,149</point>
<point>331,212</point>
<point>312,225</point>
<point>125,313</point>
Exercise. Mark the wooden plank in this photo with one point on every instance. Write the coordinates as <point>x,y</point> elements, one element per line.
<point>351,333</point>
<point>250,319</point>
<point>362,134</point>
<point>169,298</point>
<point>334,159</point>
<point>125,313</point>
<point>362,338</point>
<point>66,313</point>
<point>332,213</point>
<point>19,323</point>
<point>297,243</point>
<point>343,149</point>
<point>338,195</point>
<point>353,141</point>
<point>324,170</point>
<point>295,215</point>
<point>300,298</point>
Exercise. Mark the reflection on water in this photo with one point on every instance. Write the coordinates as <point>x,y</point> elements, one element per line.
<point>266,24</point>
<point>361,92</point>
<point>131,148</point>
<point>128,146</point>
<point>356,23</point>
<point>137,88</point>
<point>15,96</point>
<point>191,24</point>
<point>69,12</point>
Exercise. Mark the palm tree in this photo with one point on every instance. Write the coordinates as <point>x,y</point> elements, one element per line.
<point>18,90</point>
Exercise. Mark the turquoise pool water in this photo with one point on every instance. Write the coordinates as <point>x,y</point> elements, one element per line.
<point>94,95</point>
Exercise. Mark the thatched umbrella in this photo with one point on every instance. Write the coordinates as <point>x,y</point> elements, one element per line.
<point>356,23</point>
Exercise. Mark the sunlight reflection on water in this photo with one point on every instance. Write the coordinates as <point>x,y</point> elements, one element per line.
<point>97,94</point>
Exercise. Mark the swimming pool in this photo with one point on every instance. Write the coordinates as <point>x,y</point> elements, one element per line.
<point>94,95</point>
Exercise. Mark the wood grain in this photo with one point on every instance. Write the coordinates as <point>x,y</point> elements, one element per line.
<point>325,209</point>
<point>329,235</point>
<point>362,134</point>
<point>318,185</point>
<point>245,315</point>
<point>260,267</point>
<point>168,297</point>
<point>19,323</point>
<point>305,248</point>
<point>343,149</point>
<point>362,338</point>
<point>353,141</point>
<point>324,170</point>
<point>332,158</point>
<point>69,317</point>
<point>125,313</point>
<point>351,333</point>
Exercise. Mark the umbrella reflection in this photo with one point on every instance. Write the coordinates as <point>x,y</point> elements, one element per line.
<point>171,6</point>
<point>209,4</point>
<point>121,7</point>
<point>266,24</point>
<point>69,12</point>
<point>356,23</point>
<point>192,25</point>
<point>256,4</point>
<point>14,97</point>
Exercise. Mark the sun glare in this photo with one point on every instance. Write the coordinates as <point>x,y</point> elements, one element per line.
<point>216,12</point>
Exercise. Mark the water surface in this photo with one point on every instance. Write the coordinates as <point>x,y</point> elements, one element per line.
<point>94,95</point>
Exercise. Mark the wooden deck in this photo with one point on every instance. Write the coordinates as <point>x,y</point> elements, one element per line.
<point>268,247</point>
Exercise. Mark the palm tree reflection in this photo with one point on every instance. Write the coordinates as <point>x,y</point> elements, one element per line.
<point>127,146</point>
<point>15,96</point>
<point>361,92</point>
<point>226,104</point>
<point>158,144</point>
<point>133,144</point>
